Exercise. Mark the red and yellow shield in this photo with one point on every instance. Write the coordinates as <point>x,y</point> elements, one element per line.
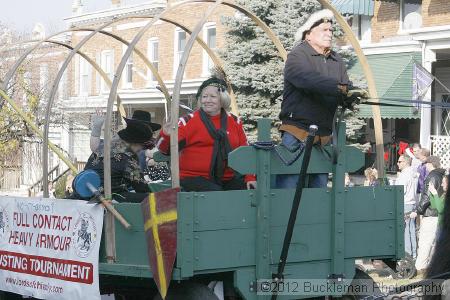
<point>160,224</point>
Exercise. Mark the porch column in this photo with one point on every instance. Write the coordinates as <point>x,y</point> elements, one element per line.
<point>428,57</point>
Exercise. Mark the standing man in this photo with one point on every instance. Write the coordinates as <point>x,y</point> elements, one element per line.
<point>408,177</point>
<point>429,222</point>
<point>422,169</point>
<point>315,83</point>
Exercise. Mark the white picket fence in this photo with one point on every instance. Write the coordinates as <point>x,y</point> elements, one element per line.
<point>440,146</point>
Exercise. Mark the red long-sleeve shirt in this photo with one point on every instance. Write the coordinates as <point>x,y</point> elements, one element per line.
<point>196,145</point>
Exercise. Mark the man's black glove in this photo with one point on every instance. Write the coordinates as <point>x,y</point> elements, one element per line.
<point>354,97</point>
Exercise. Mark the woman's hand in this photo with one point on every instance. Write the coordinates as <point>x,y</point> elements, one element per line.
<point>432,189</point>
<point>149,158</point>
<point>251,185</point>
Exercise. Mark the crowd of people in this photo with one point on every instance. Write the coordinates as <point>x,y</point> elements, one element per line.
<point>425,184</point>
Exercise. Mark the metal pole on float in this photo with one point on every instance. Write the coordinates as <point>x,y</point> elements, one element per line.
<point>370,82</point>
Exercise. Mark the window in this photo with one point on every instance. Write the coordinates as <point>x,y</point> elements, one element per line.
<point>180,44</point>
<point>361,26</point>
<point>80,145</point>
<point>209,36</point>
<point>27,89</point>
<point>107,66</point>
<point>85,79</point>
<point>63,86</point>
<point>411,14</point>
<point>43,79</point>
<point>127,79</point>
<point>153,56</point>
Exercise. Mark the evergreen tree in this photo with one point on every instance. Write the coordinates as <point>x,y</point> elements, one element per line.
<point>252,62</point>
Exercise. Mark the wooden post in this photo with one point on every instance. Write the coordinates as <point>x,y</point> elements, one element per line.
<point>370,81</point>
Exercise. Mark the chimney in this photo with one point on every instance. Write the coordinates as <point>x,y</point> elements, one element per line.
<point>116,3</point>
<point>77,7</point>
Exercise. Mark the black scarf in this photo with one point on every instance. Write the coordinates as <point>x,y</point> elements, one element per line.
<point>221,144</point>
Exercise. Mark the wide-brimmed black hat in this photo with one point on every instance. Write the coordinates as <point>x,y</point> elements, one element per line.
<point>135,132</point>
<point>142,116</point>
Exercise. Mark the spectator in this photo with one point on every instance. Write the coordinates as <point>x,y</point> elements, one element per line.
<point>415,162</point>
<point>408,177</point>
<point>422,169</point>
<point>125,172</point>
<point>428,224</point>
<point>348,181</point>
<point>415,150</point>
<point>371,177</point>
<point>438,202</point>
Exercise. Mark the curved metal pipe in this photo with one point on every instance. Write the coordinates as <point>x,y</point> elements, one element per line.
<point>36,130</point>
<point>113,93</point>
<point>119,70</point>
<point>54,89</point>
<point>217,61</point>
<point>272,36</point>
<point>34,127</point>
<point>212,55</point>
<point>378,124</point>
<point>97,68</point>
<point>164,89</point>
<point>174,162</point>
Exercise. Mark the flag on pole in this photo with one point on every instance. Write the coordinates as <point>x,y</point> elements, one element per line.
<point>160,224</point>
<point>422,80</point>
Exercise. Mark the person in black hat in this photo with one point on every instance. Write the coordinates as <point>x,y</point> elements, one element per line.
<point>139,117</point>
<point>125,172</point>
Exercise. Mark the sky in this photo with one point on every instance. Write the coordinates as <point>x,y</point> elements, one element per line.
<point>22,15</point>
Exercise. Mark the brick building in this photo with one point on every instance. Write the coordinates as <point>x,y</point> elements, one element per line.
<point>163,44</point>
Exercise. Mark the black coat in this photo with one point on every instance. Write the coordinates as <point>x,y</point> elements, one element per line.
<point>435,178</point>
<point>311,93</point>
<point>125,171</point>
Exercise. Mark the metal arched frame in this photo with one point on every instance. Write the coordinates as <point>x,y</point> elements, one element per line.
<point>155,72</point>
<point>378,125</point>
<point>176,94</point>
<point>34,127</point>
<point>54,90</point>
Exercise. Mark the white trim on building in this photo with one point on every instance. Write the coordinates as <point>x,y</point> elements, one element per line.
<point>179,42</point>
<point>116,12</point>
<point>210,38</point>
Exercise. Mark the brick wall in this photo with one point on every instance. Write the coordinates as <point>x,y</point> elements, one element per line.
<point>187,15</point>
<point>385,22</point>
<point>435,12</point>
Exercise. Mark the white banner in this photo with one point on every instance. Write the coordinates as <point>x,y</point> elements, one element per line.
<point>49,247</point>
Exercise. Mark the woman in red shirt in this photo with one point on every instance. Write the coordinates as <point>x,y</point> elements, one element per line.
<point>205,138</point>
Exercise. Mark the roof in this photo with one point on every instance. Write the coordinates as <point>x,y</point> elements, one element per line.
<point>354,7</point>
<point>393,79</point>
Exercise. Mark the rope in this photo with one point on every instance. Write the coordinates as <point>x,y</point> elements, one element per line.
<point>431,104</point>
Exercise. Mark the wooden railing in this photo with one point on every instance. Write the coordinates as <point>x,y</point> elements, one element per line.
<point>53,176</point>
